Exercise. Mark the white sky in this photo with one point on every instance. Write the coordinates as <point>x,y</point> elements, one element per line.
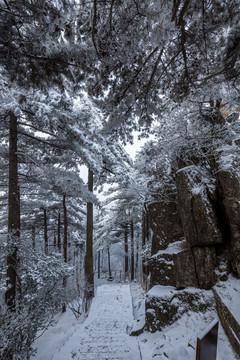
<point>131,150</point>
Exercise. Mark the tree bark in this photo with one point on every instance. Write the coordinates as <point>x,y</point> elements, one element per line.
<point>45,232</point>
<point>99,268</point>
<point>143,242</point>
<point>126,250</point>
<point>132,251</point>
<point>109,263</point>
<point>13,214</point>
<point>89,274</point>
<point>59,232</point>
<point>54,241</point>
<point>33,237</point>
<point>65,229</point>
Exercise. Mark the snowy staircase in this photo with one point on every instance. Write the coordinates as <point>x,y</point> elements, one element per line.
<point>103,335</point>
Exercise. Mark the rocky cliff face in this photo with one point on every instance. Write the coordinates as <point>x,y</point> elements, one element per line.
<point>196,237</point>
<point>228,177</point>
<point>204,218</point>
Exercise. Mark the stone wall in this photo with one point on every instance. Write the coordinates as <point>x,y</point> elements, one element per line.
<point>229,323</point>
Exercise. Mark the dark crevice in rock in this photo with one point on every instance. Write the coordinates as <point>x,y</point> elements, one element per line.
<point>196,232</point>
<point>193,218</point>
<point>195,267</point>
<point>221,215</point>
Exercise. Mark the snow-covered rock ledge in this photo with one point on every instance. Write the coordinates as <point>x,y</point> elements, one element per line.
<point>166,304</point>
<point>227,295</point>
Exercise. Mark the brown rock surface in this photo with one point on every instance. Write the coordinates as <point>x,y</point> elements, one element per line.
<point>205,262</point>
<point>162,270</point>
<point>229,185</point>
<point>174,266</point>
<point>165,224</point>
<point>185,271</point>
<point>199,221</point>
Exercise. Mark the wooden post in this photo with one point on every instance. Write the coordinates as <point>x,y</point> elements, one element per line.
<point>207,343</point>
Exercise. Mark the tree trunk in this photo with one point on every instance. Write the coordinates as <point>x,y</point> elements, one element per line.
<point>137,250</point>
<point>144,270</point>
<point>33,237</point>
<point>13,214</point>
<point>147,236</point>
<point>65,227</point>
<point>126,250</point>
<point>132,251</point>
<point>89,275</point>
<point>109,263</point>
<point>102,260</point>
<point>45,232</point>
<point>59,232</point>
<point>54,241</point>
<point>147,227</point>
<point>99,268</point>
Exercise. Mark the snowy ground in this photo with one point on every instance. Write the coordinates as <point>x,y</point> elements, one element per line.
<point>103,335</point>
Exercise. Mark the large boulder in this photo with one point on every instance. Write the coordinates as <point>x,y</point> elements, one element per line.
<point>228,177</point>
<point>185,270</point>
<point>205,262</point>
<point>165,224</point>
<point>199,221</point>
<point>174,266</point>
<point>165,304</point>
<point>162,269</point>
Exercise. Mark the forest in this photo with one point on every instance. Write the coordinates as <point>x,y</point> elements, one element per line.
<point>79,80</point>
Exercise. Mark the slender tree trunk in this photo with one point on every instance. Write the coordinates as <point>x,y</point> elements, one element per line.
<point>89,275</point>
<point>99,268</point>
<point>65,229</point>
<point>54,241</point>
<point>45,232</point>
<point>59,232</point>
<point>33,237</point>
<point>132,251</point>
<point>126,251</point>
<point>147,227</point>
<point>109,263</point>
<point>147,236</point>
<point>102,260</point>
<point>143,243</point>
<point>13,215</point>
<point>137,255</point>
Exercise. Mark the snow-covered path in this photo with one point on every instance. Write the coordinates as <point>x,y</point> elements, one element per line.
<point>103,335</point>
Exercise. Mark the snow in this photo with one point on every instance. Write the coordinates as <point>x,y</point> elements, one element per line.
<point>229,292</point>
<point>173,248</point>
<point>178,341</point>
<point>162,292</point>
<point>103,335</point>
<point>210,326</point>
